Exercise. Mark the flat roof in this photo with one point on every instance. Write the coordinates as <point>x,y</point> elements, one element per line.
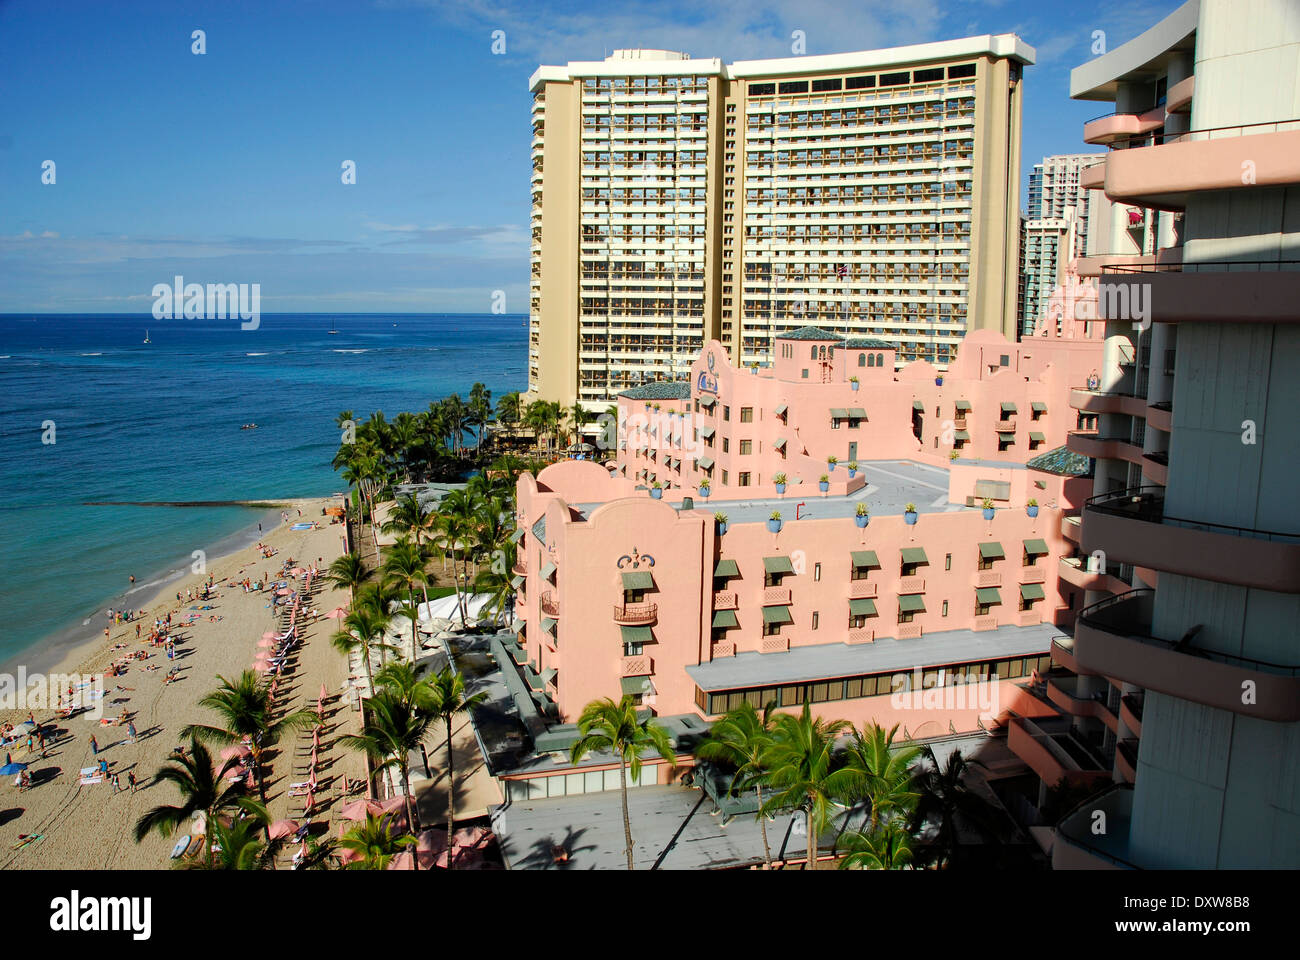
<point>887,655</point>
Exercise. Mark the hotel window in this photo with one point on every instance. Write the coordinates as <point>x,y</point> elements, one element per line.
<point>944,613</point>
<point>817,572</point>
<point>746,414</point>
<point>986,563</point>
<point>947,561</point>
<point>746,447</point>
<point>726,412</point>
<point>744,479</point>
<point>905,616</point>
<point>724,478</point>
<point>805,373</point>
<point>817,617</point>
<point>726,444</point>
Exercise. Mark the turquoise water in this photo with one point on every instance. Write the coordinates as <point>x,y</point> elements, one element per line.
<point>140,423</point>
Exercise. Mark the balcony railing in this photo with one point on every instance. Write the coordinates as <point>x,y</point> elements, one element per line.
<point>1006,426</point>
<point>724,648</point>
<point>521,567</point>
<point>861,635</point>
<point>776,596</point>
<point>639,666</point>
<point>1029,618</point>
<point>909,631</point>
<point>988,578</point>
<point>1205,133</point>
<point>989,622</point>
<point>911,585</point>
<point>1077,846</point>
<point>635,613</point>
<point>550,606</point>
<point>1036,573</point>
<point>862,589</point>
<point>724,600</point>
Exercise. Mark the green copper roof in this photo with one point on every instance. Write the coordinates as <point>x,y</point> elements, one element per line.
<point>659,390</point>
<point>809,333</point>
<point>1062,461</point>
<point>867,343</point>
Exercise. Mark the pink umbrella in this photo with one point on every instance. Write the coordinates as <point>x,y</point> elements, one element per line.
<point>392,805</point>
<point>282,592</point>
<point>338,613</point>
<point>357,809</point>
<point>297,570</point>
<point>266,643</point>
<point>235,750</point>
<point>403,861</point>
<point>270,635</point>
<point>262,667</point>
<point>283,828</point>
<point>346,855</point>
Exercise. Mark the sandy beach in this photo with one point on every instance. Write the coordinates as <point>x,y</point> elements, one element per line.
<point>90,826</point>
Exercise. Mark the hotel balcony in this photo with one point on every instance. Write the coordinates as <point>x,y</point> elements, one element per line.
<point>520,567</point>
<point>911,585</point>
<point>1029,618</point>
<point>641,665</point>
<point>1076,846</point>
<point>1093,176</point>
<point>989,622</point>
<point>1074,571</point>
<point>1064,692</point>
<point>1034,573</point>
<point>1104,448</point>
<point>776,596</point>
<point>1006,426</point>
<point>635,614</point>
<point>725,600</point>
<point>862,590</point>
<point>1131,526</point>
<point>1097,264</point>
<point>862,635</point>
<point>550,606</point>
<point>1179,97</point>
<point>1113,638</point>
<point>1123,126</point>
<point>1230,291</point>
<point>1160,416</point>
<point>1051,748</point>
<point>988,578</point>
<point>1093,401</point>
<point>1160,171</point>
<point>909,631</point>
<point>1070,527</point>
<point>1130,711</point>
<point>1063,655</point>
<point>1126,759</point>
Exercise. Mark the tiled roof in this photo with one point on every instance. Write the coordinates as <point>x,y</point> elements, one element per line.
<point>868,343</point>
<point>809,333</point>
<point>659,390</point>
<point>1061,461</point>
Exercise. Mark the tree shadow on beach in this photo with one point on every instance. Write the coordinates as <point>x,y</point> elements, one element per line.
<point>11,814</point>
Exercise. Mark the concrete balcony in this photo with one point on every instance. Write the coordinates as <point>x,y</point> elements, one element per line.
<point>1120,126</point>
<point>1064,692</point>
<point>1104,448</point>
<point>909,631</point>
<point>988,578</point>
<point>641,665</point>
<point>1130,711</point>
<point>725,600</point>
<point>911,585</point>
<point>1070,527</point>
<point>1074,571</point>
<point>1029,618</point>
<point>863,635</point>
<point>862,590</point>
<point>776,596</point>
<point>1093,176</point>
<point>1063,655</point>
<point>1096,265</point>
<point>1112,638</point>
<point>1131,526</point>
<point>520,567</point>
<point>549,604</point>
<point>1161,175</point>
<point>774,645</point>
<point>1052,750</point>
<point>1077,847</point>
<point>1034,573</point>
<point>635,614</point>
<point>724,648</point>
<point>959,423</point>
<point>1005,426</point>
<point>1178,99</point>
<point>1093,401</point>
<point>989,622</point>
<point>1227,292</point>
<point>1126,759</point>
<point>1160,416</point>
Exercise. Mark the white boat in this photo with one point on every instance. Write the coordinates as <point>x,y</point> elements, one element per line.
<point>146,337</point>
<point>333,330</point>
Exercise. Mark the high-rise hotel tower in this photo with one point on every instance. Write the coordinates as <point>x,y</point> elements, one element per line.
<point>677,200</point>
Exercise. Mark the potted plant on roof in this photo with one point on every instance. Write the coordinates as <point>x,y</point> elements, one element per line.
<point>824,483</point>
<point>1031,507</point>
<point>909,514</point>
<point>862,516</point>
<point>853,469</point>
<point>988,508</point>
<point>657,490</point>
<point>853,383</point>
<point>721,519</point>
<point>779,481</point>
<point>831,461</point>
<point>774,522</point>
<point>953,455</point>
<point>704,488</point>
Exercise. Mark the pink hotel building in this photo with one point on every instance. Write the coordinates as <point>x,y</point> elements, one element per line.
<point>627,589</point>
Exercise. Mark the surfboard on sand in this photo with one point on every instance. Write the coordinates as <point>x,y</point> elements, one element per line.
<point>182,845</point>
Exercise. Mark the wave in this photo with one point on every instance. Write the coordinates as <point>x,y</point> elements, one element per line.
<point>256,354</point>
<point>359,350</point>
<point>90,354</point>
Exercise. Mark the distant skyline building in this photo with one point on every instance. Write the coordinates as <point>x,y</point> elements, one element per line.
<point>680,200</point>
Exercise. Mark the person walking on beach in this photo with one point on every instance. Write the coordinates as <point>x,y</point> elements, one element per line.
<point>133,578</point>
<point>137,631</point>
<point>94,747</point>
<point>103,767</point>
<point>131,781</point>
<point>130,731</point>
<point>117,784</point>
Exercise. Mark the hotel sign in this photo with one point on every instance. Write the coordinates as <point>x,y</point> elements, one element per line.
<point>707,381</point>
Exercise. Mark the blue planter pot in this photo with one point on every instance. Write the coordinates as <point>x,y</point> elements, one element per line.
<point>852,474</point>
<point>780,488</point>
<point>862,521</point>
<point>823,485</point>
<point>831,467</point>
<point>704,492</point>
<point>657,493</point>
<point>1032,511</point>
<point>775,525</point>
<point>722,528</point>
<point>909,517</point>
<point>853,385</point>
<point>988,513</point>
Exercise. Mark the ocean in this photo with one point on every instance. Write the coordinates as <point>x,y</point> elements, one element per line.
<point>134,423</point>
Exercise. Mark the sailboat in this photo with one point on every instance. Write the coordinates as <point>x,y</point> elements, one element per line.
<point>146,337</point>
<point>333,330</point>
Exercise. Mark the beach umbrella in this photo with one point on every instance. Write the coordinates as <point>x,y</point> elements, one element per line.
<point>282,592</point>
<point>11,768</point>
<point>266,643</point>
<point>235,750</point>
<point>357,809</point>
<point>403,861</point>
<point>283,828</point>
<point>348,856</point>
<point>297,571</point>
<point>338,613</point>
<point>270,635</point>
<point>261,666</point>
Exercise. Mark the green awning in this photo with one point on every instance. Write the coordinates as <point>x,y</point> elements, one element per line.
<point>548,624</point>
<point>725,618</point>
<point>780,443</point>
<point>547,571</point>
<point>1037,437</point>
<point>519,655</point>
<point>918,405</point>
<point>519,628</point>
<point>726,568</point>
<point>516,582</point>
<point>704,463</point>
<point>839,413</point>
<point>857,413</point>
<point>780,411</point>
<point>631,686</point>
<point>862,608</point>
<point>1036,548</point>
<point>549,675</point>
<point>988,595</point>
<point>992,550</point>
<point>636,634</point>
<point>865,558</point>
<point>708,401</point>
<point>1005,435</point>
<point>1038,406</point>
<point>1008,407</point>
<point>534,678</point>
<point>962,405</point>
<point>961,434</point>
<point>777,565</point>
<point>777,615</point>
<point>1032,591</point>
<point>516,536</point>
<point>914,555</point>
<point>638,580</point>
<point>911,603</point>
<point>706,432</point>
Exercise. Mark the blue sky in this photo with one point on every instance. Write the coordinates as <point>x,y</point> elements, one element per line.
<point>226,167</point>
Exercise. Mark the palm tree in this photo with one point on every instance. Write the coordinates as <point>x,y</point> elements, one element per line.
<point>363,631</point>
<point>447,701</point>
<point>203,790</point>
<point>496,581</point>
<point>394,726</point>
<point>741,739</point>
<point>458,522</point>
<point>606,725</point>
<point>508,408</point>
<point>348,571</point>
<point>376,842</point>
<point>405,568</point>
<point>944,797</point>
<point>404,680</point>
<point>457,415</point>
<point>803,773</point>
<point>883,771</point>
<point>244,706</point>
<point>889,847</point>
<point>479,411</point>
<point>238,843</point>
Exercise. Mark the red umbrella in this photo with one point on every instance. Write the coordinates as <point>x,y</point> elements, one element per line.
<point>283,828</point>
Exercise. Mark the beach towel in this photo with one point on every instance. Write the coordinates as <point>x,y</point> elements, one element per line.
<point>88,781</point>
